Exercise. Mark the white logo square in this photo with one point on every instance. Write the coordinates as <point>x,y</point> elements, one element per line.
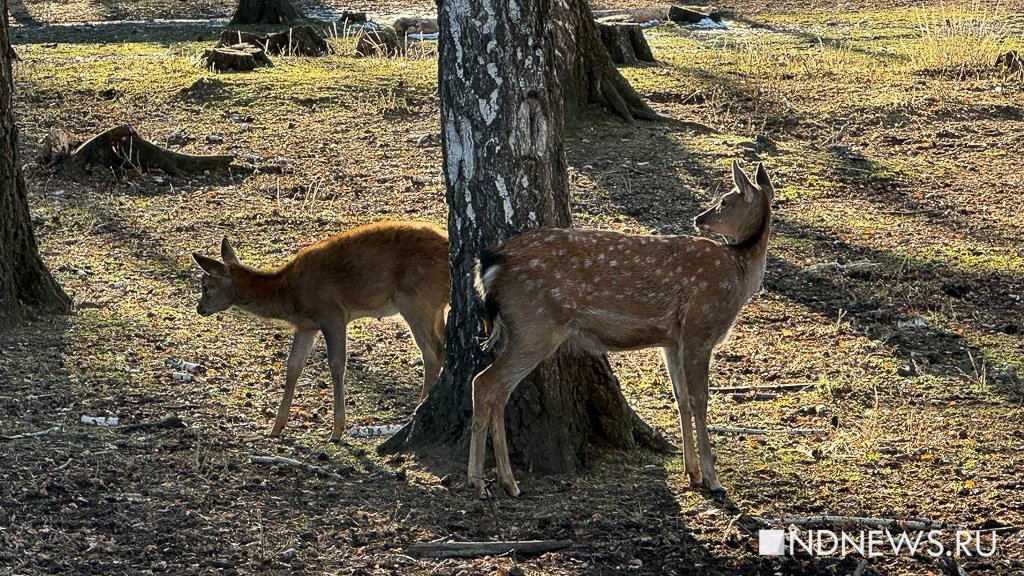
<point>771,542</point>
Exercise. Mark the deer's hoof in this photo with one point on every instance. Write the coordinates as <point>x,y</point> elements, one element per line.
<point>512,489</point>
<point>479,486</point>
<point>718,494</point>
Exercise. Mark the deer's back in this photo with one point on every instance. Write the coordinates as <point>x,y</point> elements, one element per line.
<point>616,291</point>
<point>366,268</point>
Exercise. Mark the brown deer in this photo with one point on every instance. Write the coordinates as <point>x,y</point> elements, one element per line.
<point>609,291</point>
<point>374,270</point>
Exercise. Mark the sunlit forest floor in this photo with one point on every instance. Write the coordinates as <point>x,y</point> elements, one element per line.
<point>894,293</point>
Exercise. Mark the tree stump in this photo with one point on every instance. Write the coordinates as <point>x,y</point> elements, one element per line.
<point>689,15</point>
<point>266,12</point>
<point>238,57</point>
<point>380,42</point>
<point>1011,61</point>
<point>405,26</point>
<point>297,41</point>
<point>348,17</point>
<point>625,42</point>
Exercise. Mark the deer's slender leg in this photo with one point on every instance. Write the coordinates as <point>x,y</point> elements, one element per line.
<point>696,364</point>
<point>678,376</point>
<point>302,343</point>
<point>491,391</point>
<point>335,335</point>
<point>423,325</point>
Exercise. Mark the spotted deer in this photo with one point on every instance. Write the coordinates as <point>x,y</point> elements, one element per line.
<point>604,291</point>
<point>374,270</point>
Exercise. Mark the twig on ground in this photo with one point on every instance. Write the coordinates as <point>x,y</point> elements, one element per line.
<point>33,434</point>
<point>861,567</point>
<point>924,211</point>
<point>748,397</point>
<point>762,431</point>
<point>775,387</point>
<point>473,549</point>
<point>923,524</point>
<point>321,470</point>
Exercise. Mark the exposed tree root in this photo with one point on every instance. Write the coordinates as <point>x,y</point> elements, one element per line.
<point>121,148</point>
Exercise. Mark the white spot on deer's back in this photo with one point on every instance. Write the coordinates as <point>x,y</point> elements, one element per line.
<point>587,263</point>
<point>534,263</point>
<point>724,285</point>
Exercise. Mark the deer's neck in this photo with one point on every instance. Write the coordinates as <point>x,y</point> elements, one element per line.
<point>262,293</point>
<point>751,252</point>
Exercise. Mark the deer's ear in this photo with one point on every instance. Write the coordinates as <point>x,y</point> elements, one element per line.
<point>227,253</point>
<point>763,181</point>
<point>742,182</point>
<point>210,266</point>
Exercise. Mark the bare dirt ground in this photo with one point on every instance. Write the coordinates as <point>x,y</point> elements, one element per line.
<point>893,292</point>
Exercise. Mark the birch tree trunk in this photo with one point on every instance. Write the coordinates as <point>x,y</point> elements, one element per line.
<point>25,283</point>
<point>501,86</point>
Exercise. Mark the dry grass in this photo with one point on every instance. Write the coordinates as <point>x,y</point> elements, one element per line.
<point>960,40</point>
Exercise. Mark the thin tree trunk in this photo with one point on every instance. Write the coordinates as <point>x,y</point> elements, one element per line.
<point>505,171</point>
<point>25,283</point>
<point>266,12</point>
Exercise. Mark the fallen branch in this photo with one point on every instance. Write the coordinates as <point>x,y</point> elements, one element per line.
<point>33,434</point>
<point>925,211</point>
<point>473,549</point>
<point>321,470</point>
<point>735,389</point>
<point>751,397</point>
<point>923,524</point>
<point>762,431</point>
<point>170,422</point>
